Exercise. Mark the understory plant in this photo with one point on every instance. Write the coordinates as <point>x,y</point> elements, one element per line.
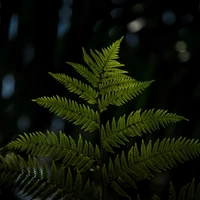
<point>48,165</point>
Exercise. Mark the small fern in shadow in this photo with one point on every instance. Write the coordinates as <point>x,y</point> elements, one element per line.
<point>59,167</point>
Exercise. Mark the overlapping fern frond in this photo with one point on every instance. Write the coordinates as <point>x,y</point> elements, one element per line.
<point>141,163</point>
<point>30,178</point>
<point>81,154</point>
<point>116,133</point>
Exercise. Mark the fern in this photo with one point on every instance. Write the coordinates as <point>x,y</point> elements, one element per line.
<point>57,166</point>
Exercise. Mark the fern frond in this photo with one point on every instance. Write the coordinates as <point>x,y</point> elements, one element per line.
<point>161,156</point>
<point>31,180</point>
<point>81,154</point>
<point>122,95</point>
<point>93,66</point>
<point>107,59</point>
<point>84,91</point>
<point>115,84</point>
<point>140,164</point>
<point>136,123</point>
<point>71,111</point>
<point>83,71</point>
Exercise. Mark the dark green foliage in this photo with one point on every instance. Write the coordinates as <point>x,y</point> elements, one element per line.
<point>61,167</point>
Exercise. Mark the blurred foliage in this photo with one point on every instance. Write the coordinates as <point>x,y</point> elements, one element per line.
<point>161,42</point>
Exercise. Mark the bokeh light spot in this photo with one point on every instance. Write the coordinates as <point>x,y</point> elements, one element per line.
<point>28,54</point>
<point>168,17</point>
<point>23,123</point>
<point>181,46</point>
<point>8,86</point>
<point>13,27</point>
<point>65,14</point>
<point>184,56</point>
<point>136,25</point>
<point>132,39</point>
<point>57,124</point>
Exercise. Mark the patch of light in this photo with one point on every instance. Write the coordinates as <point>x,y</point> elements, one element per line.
<point>181,46</point>
<point>132,39</point>
<point>13,27</point>
<point>184,56</point>
<point>8,86</point>
<point>57,124</point>
<point>28,54</point>
<point>64,22</point>
<point>23,123</point>
<point>168,17</point>
<point>136,25</point>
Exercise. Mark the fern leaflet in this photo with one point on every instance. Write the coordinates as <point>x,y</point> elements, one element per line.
<point>136,123</point>
<point>71,111</point>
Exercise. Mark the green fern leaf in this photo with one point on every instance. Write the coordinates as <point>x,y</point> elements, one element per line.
<point>136,123</point>
<point>83,71</point>
<point>84,91</point>
<point>122,95</point>
<point>81,155</point>
<point>71,111</point>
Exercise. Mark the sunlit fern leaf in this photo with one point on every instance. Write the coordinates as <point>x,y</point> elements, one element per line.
<point>135,124</point>
<point>83,71</point>
<point>84,91</point>
<point>71,111</point>
<point>122,95</point>
<point>90,62</point>
<point>81,154</point>
<point>115,84</point>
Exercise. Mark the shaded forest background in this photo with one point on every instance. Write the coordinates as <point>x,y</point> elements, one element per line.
<point>161,42</point>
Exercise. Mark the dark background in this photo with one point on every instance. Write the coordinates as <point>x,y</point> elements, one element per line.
<point>161,42</point>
